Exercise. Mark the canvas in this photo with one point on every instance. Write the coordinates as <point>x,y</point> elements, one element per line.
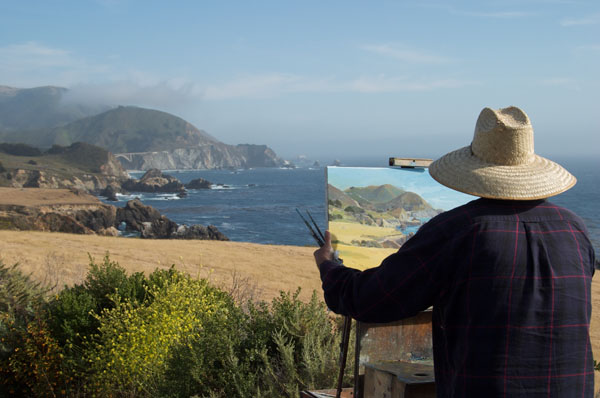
<point>373,211</point>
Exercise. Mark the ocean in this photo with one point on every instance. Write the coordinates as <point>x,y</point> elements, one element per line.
<point>259,205</point>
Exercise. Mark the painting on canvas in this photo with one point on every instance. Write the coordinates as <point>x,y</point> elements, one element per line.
<point>372,212</point>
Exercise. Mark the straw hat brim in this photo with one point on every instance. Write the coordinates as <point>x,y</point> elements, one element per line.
<point>464,172</point>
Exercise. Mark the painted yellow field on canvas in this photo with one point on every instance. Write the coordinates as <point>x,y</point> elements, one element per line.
<point>360,257</point>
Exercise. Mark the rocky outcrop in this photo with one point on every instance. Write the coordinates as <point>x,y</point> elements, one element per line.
<point>80,166</point>
<point>110,192</point>
<point>198,183</point>
<point>146,220</point>
<point>77,219</point>
<point>151,224</point>
<point>154,181</point>
<point>23,178</point>
<point>199,232</point>
<point>93,217</point>
<point>208,156</point>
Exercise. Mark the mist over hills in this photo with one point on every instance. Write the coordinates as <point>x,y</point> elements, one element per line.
<point>39,108</point>
<point>145,138</point>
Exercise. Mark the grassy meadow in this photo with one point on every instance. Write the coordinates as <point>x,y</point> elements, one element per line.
<point>58,259</point>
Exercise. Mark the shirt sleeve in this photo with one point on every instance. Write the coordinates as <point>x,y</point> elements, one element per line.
<point>407,282</point>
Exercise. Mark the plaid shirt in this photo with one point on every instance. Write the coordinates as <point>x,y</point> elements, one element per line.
<point>509,282</point>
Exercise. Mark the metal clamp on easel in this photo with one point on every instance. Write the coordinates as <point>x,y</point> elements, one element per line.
<point>409,163</point>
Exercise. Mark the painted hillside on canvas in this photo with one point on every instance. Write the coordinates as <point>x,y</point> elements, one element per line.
<point>372,212</point>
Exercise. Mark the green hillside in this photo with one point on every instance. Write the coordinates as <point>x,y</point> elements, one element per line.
<point>409,201</point>
<point>132,129</point>
<point>374,194</point>
<point>339,198</point>
<point>79,160</point>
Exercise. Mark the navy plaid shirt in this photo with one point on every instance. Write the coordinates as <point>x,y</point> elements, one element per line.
<point>509,282</point>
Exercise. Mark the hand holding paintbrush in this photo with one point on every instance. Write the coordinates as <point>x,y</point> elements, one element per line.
<point>325,251</point>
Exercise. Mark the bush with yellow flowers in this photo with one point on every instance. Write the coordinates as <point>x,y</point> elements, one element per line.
<point>130,353</point>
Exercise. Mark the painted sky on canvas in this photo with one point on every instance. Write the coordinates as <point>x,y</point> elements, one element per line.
<point>329,79</point>
<point>417,181</point>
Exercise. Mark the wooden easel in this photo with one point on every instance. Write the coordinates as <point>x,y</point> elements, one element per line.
<point>392,359</point>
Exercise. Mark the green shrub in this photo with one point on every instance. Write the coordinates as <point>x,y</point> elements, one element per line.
<point>278,351</point>
<point>307,346</point>
<point>335,203</point>
<point>106,279</point>
<point>73,311</point>
<point>30,358</point>
<point>130,355</point>
<point>35,367</point>
<point>163,335</point>
<point>19,149</point>
<point>210,362</point>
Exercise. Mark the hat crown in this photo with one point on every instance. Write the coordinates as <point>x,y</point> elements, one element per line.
<point>503,137</point>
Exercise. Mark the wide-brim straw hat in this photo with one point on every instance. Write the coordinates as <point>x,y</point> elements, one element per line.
<point>500,163</point>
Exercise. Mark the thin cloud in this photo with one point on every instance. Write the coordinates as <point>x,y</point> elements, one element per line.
<point>32,63</point>
<point>593,19</point>
<point>259,86</point>
<point>32,54</point>
<point>384,84</point>
<point>499,14</point>
<point>562,82</point>
<point>406,54</point>
<point>162,95</point>
<point>273,85</point>
<point>495,14</point>
<point>587,48</point>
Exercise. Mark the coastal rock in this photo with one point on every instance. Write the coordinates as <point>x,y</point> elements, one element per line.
<point>198,183</point>
<point>110,231</point>
<point>57,222</point>
<point>154,181</point>
<point>135,213</point>
<point>199,232</point>
<point>98,219</point>
<point>110,192</point>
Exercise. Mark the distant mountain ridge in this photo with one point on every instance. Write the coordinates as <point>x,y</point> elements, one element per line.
<point>140,138</point>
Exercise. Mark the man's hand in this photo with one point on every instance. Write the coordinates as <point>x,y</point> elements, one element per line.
<point>325,252</point>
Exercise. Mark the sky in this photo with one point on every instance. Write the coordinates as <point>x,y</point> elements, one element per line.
<point>326,79</point>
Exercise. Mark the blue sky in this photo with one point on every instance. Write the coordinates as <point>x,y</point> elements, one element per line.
<point>329,79</point>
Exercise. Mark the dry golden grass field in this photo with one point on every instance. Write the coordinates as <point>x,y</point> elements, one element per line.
<point>59,258</point>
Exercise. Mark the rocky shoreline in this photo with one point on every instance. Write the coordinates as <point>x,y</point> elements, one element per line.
<point>73,211</point>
